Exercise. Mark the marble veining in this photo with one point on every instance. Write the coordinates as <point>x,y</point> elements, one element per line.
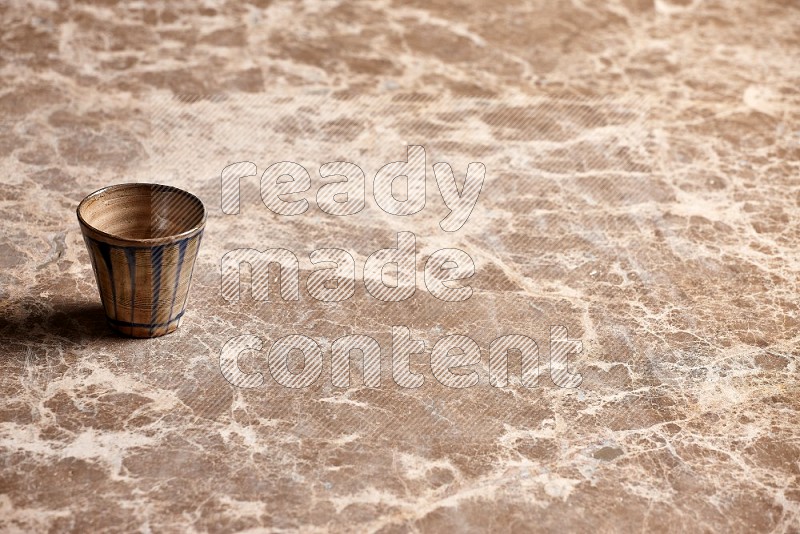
<point>642,191</point>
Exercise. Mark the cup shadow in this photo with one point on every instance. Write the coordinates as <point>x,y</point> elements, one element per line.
<point>35,322</point>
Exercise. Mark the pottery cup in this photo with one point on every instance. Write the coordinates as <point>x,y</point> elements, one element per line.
<point>143,240</point>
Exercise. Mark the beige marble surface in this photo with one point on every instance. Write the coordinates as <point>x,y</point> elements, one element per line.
<point>642,190</point>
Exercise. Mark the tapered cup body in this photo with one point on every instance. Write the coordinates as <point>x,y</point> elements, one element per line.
<point>143,241</point>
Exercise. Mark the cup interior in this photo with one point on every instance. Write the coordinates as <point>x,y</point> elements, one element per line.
<point>142,211</point>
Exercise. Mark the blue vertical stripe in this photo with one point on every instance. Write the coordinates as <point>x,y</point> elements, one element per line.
<point>105,252</point>
<point>130,256</point>
<point>181,254</point>
<point>156,261</point>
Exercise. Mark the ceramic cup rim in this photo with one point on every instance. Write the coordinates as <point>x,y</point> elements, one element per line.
<point>142,241</point>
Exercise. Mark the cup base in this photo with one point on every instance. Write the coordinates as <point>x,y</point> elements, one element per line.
<point>144,330</point>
